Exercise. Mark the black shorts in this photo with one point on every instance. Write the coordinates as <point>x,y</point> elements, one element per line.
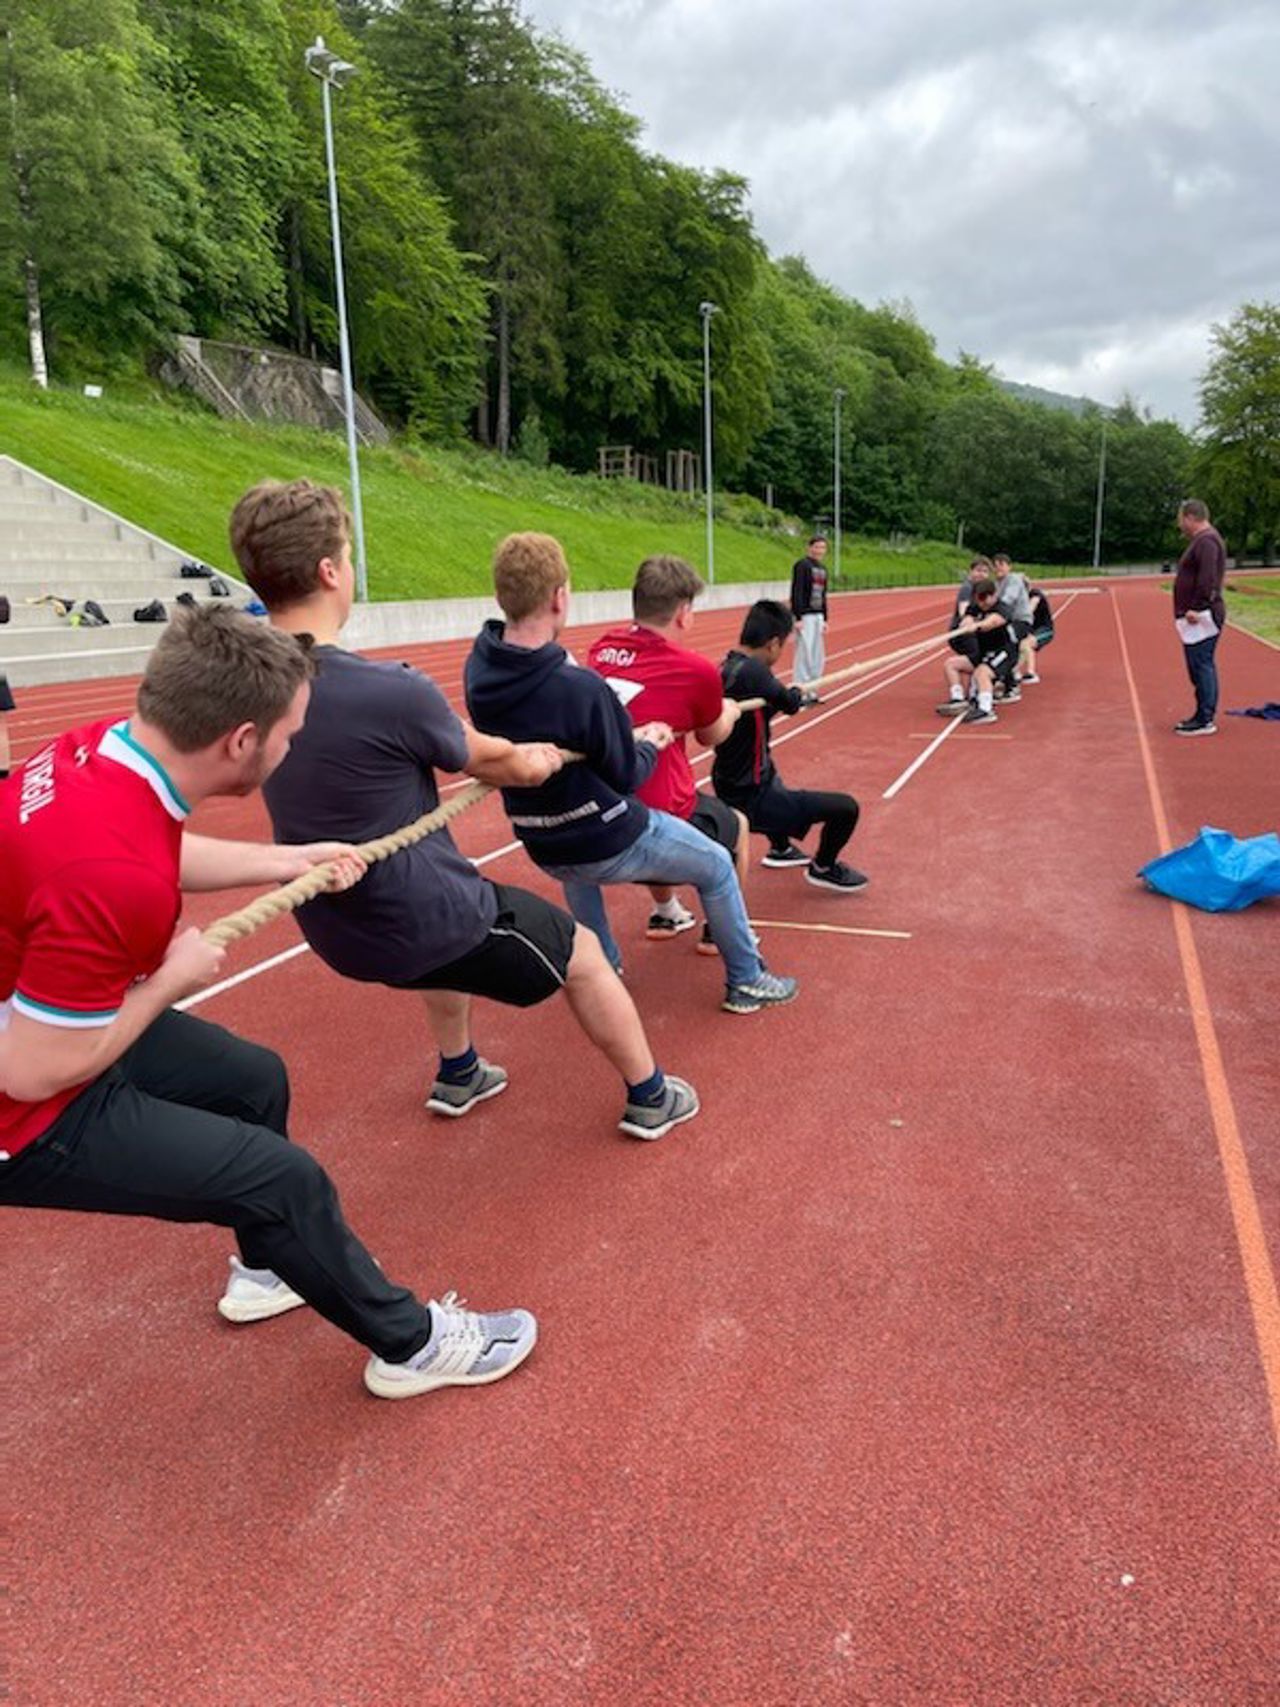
<point>1000,659</point>
<point>6,698</point>
<point>1042,637</point>
<point>716,821</point>
<point>523,960</point>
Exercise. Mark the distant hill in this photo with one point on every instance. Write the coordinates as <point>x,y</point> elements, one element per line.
<point>1050,399</point>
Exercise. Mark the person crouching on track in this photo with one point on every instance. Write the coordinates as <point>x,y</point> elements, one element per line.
<point>990,658</point>
<point>110,1100</point>
<point>425,920</point>
<point>584,825</point>
<point>659,679</point>
<point>744,774</point>
<point>1041,635</point>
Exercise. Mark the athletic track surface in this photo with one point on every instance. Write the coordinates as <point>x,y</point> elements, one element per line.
<point>936,1365</point>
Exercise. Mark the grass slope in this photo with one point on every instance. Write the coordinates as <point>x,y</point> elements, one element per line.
<point>1254,603</point>
<point>432,516</point>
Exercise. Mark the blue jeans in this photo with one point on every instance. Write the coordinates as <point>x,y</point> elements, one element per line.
<point>669,851</point>
<point>1204,676</point>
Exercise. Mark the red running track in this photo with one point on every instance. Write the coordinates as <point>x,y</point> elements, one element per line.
<point>930,1366</point>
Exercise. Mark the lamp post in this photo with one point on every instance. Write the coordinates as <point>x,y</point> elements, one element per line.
<point>1102,486</point>
<point>706,310</point>
<point>840,395</point>
<point>333,74</point>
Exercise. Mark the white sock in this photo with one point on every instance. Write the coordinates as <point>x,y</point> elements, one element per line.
<point>668,909</point>
<point>984,700</point>
<point>957,692</point>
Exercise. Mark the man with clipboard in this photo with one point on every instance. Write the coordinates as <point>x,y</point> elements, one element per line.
<point>1199,612</point>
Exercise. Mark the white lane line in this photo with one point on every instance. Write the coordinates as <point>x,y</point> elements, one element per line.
<point>901,782</point>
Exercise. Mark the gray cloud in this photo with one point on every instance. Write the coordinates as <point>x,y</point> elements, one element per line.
<point>1072,191</point>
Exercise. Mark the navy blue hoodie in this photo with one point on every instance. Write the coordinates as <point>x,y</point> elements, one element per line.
<point>585,812</point>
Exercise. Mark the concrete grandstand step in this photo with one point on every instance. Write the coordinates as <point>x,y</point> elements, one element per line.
<point>91,549</point>
<point>38,618</point>
<point>53,540</point>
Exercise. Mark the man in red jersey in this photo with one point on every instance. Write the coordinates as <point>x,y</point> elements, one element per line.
<point>660,680</point>
<point>110,1100</point>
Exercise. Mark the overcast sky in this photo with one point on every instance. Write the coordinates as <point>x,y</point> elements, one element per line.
<point>1071,189</point>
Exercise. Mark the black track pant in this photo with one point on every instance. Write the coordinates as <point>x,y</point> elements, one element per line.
<point>189,1126</point>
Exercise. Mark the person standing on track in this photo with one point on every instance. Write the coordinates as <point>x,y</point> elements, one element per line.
<point>110,1101</point>
<point>1041,634</point>
<point>809,608</point>
<point>744,774</point>
<point>584,826</point>
<point>363,765</point>
<point>659,679</point>
<point>1200,612</point>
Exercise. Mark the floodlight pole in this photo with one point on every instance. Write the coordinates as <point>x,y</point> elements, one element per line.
<point>840,395</point>
<point>1102,487</point>
<point>324,65</point>
<point>706,310</point>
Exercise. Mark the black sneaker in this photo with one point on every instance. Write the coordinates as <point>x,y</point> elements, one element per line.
<point>653,1120</point>
<point>777,858</point>
<point>766,990</point>
<point>660,927</point>
<point>1193,726</point>
<point>836,876</point>
<point>976,714</point>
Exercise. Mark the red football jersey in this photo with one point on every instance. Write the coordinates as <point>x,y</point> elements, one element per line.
<point>90,849</point>
<point>661,683</point>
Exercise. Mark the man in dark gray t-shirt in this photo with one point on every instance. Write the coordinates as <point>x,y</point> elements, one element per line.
<point>425,919</point>
<point>365,758</point>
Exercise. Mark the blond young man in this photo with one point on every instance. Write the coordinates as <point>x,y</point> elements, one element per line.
<point>584,825</point>
<point>113,1102</point>
<point>365,764</point>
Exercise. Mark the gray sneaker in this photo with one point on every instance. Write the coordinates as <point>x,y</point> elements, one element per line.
<point>466,1349</point>
<point>643,1120</point>
<point>766,990</point>
<point>456,1099</point>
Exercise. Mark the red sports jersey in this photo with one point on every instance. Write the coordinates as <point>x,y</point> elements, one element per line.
<point>661,683</point>
<point>90,846</point>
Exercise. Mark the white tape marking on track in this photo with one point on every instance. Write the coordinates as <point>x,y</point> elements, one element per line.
<point>901,782</point>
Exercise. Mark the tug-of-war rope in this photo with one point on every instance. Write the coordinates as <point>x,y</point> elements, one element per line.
<point>290,896</point>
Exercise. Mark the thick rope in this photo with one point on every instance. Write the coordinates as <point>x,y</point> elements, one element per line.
<point>287,899</point>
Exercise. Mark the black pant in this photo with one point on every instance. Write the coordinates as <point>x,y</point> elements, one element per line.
<point>781,813</point>
<point>189,1125</point>
<point>1204,677</point>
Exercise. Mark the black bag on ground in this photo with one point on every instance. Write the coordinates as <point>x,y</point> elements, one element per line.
<point>4,607</point>
<point>218,588</point>
<point>153,612</point>
<point>96,616</point>
<point>192,571</point>
<point>186,599</point>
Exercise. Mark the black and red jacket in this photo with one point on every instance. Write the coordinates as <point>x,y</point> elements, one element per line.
<point>743,762</point>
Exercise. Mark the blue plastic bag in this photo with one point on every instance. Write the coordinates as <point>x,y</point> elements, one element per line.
<point>1218,873</point>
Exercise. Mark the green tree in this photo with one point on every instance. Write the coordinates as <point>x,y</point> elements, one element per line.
<point>97,190</point>
<point>1239,463</point>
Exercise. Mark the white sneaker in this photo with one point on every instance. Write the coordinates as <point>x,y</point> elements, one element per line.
<point>253,1294</point>
<point>466,1349</point>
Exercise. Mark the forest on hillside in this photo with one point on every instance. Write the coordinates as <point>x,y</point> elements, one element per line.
<point>520,269</point>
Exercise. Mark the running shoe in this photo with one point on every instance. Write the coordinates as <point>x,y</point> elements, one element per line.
<point>1031,676</point>
<point>254,1294</point>
<point>1193,726</point>
<point>660,927</point>
<point>976,714</point>
<point>455,1098</point>
<point>654,1120</point>
<point>836,876</point>
<point>778,858</point>
<point>1011,696</point>
<point>466,1349</point>
<point>766,990</point>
